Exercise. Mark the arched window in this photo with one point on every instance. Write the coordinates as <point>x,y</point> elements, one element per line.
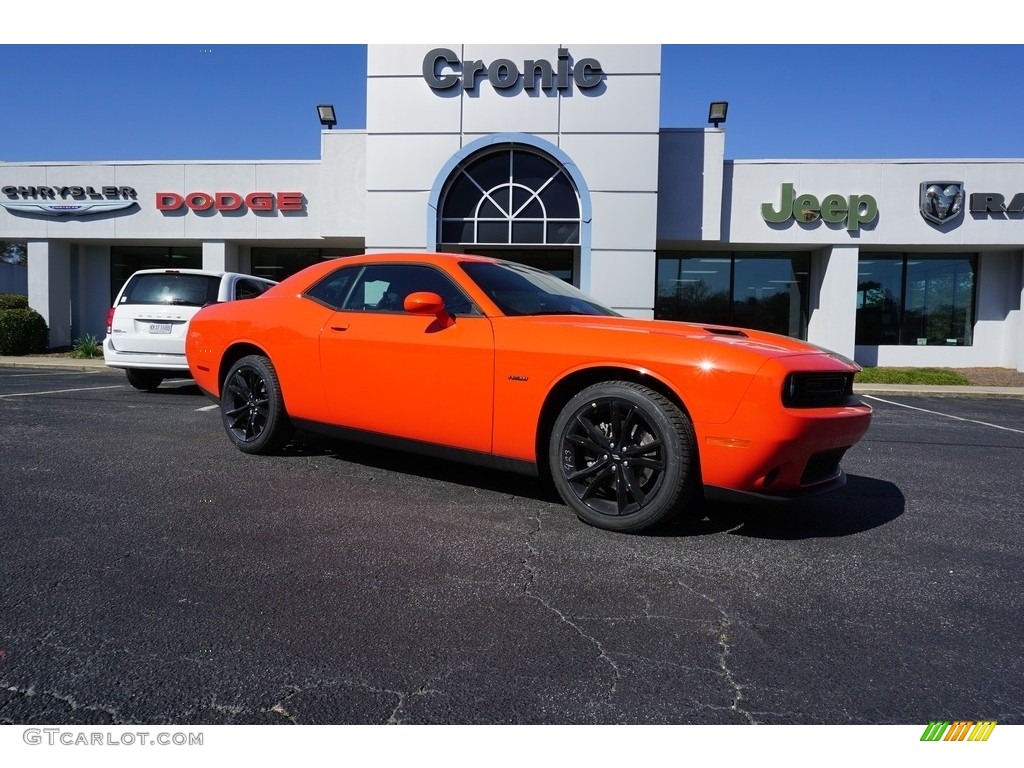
<point>509,196</point>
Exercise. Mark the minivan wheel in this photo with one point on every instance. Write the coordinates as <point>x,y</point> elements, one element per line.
<point>143,379</point>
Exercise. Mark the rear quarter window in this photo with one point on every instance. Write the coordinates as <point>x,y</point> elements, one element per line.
<point>173,289</point>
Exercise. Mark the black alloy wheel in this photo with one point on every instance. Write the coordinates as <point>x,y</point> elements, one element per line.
<point>622,456</point>
<point>252,407</point>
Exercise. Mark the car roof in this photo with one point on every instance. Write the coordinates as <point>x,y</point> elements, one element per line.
<point>206,272</point>
<point>311,274</point>
<point>174,271</point>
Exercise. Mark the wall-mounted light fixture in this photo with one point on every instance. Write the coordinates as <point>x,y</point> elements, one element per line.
<point>717,112</point>
<point>326,114</point>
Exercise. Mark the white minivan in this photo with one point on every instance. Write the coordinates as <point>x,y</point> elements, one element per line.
<point>146,327</point>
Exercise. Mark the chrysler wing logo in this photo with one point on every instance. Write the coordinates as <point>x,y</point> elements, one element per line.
<point>69,208</point>
<point>942,201</point>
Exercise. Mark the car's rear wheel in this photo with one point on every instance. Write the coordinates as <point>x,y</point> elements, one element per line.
<point>252,407</point>
<point>143,379</point>
<point>622,456</point>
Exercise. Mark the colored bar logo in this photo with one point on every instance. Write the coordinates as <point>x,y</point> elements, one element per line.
<point>958,730</point>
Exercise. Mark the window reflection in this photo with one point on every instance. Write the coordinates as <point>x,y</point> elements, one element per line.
<point>761,291</point>
<point>916,299</point>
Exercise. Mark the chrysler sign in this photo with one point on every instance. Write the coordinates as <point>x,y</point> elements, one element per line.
<point>67,201</point>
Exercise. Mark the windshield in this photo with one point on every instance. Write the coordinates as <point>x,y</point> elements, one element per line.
<point>521,290</point>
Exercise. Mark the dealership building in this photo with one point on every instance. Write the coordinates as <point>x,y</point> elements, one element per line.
<point>555,156</point>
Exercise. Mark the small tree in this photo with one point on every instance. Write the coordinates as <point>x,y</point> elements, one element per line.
<point>13,253</point>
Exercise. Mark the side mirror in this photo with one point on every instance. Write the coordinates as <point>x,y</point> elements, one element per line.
<point>424,303</point>
<point>429,303</point>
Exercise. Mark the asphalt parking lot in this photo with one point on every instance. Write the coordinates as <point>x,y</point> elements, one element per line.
<point>151,573</point>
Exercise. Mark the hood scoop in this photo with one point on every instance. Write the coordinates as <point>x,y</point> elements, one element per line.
<point>727,332</point>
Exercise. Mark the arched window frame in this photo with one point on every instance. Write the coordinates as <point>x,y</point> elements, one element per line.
<point>522,219</point>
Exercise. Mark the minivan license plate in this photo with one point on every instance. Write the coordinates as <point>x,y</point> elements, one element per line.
<point>159,327</point>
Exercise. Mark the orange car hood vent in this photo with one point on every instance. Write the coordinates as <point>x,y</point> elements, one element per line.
<point>726,332</point>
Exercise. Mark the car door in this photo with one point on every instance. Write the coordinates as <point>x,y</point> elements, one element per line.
<point>409,375</point>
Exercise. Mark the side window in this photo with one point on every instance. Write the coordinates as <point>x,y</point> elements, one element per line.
<point>249,289</point>
<point>383,288</point>
<point>334,289</point>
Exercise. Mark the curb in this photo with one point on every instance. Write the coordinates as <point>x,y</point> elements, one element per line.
<point>937,390</point>
<point>61,363</point>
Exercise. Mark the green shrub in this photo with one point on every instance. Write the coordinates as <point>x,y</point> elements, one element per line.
<point>22,332</point>
<point>87,347</point>
<point>13,301</point>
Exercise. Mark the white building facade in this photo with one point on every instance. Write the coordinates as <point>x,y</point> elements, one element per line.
<point>554,155</point>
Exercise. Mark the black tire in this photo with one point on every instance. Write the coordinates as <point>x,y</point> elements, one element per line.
<point>252,407</point>
<point>143,379</point>
<point>623,457</point>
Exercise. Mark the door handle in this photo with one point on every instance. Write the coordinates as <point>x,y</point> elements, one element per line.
<point>339,327</point>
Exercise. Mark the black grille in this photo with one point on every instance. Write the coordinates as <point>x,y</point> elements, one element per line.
<point>817,390</point>
<point>822,466</point>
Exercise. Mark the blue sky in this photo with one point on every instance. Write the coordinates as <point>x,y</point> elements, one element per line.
<point>121,80</point>
<point>112,100</point>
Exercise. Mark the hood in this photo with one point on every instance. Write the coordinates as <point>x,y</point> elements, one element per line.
<point>769,344</point>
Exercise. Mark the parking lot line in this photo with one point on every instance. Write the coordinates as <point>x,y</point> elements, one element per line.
<point>53,373</point>
<point>208,407</point>
<point>947,415</point>
<point>60,391</point>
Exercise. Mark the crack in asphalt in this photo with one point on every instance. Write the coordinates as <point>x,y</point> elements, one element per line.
<point>603,654</point>
<point>282,709</point>
<point>723,625</point>
<point>69,700</point>
<point>723,641</point>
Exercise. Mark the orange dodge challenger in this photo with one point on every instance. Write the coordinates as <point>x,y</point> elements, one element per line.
<point>493,362</point>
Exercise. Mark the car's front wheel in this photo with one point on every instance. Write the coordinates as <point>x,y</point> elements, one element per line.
<point>143,379</point>
<point>622,456</point>
<point>252,407</point>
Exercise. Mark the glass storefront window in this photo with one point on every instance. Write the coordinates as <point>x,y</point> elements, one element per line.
<point>694,289</point>
<point>922,299</point>
<point>879,299</point>
<point>279,263</point>
<point>940,302</point>
<point>770,294</point>
<point>766,292</point>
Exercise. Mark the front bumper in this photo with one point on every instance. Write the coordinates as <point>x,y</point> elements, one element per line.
<point>767,450</point>
<point>715,493</point>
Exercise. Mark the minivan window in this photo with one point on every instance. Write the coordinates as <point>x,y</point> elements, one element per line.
<point>176,289</point>
<point>249,289</point>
